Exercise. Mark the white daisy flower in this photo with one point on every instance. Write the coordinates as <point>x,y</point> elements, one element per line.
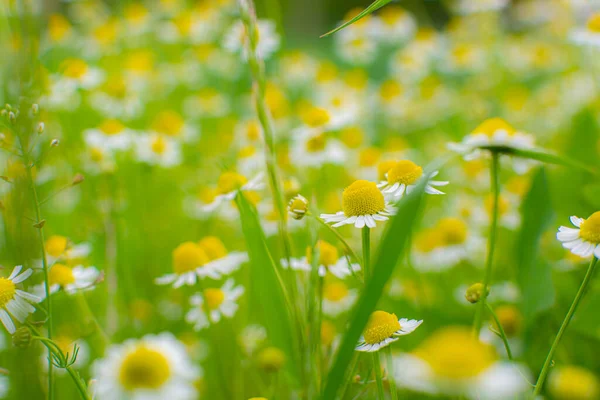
<point>111,135</point>
<point>479,6</point>
<point>363,204</point>
<point>337,298</point>
<point>329,262</point>
<point>15,303</point>
<point>573,382</point>
<point>403,177</point>
<point>215,304</point>
<point>71,280</point>
<point>60,248</point>
<point>219,259</point>
<point>157,149</point>
<point>354,47</point>
<point>79,74</point>
<point>583,241</point>
<point>228,186</point>
<point>384,328</point>
<point>151,368</point>
<point>236,40</point>
<point>394,25</point>
<point>590,36</point>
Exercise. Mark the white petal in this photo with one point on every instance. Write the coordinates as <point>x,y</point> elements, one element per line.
<point>576,221</point>
<point>360,222</point>
<point>7,322</point>
<point>15,272</point>
<point>567,236</point>
<point>23,276</point>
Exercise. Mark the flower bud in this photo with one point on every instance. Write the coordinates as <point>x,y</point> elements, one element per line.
<point>297,207</point>
<point>12,118</point>
<point>77,179</point>
<point>475,292</point>
<point>40,128</point>
<point>54,142</point>
<point>271,359</point>
<point>35,109</point>
<point>22,337</point>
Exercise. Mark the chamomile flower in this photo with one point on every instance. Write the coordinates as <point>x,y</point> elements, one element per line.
<point>297,207</point>
<point>216,303</point>
<point>219,259</point>
<point>236,39</point>
<point>571,382</point>
<point>590,35</point>
<point>329,261</point>
<point>478,6</point>
<point>362,204</point>
<point>229,184</point>
<point>15,303</point>
<point>61,248</point>
<point>584,240</point>
<point>394,25</point>
<point>79,74</point>
<point>402,178</point>
<point>111,135</point>
<point>337,298</point>
<point>384,328</point>
<point>70,280</point>
<point>452,362</point>
<point>157,149</point>
<point>153,367</point>
<point>190,263</point>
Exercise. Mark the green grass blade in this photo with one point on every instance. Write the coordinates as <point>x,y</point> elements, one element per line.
<point>266,288</point>
<point>534,276</point>
<point>376,5</point>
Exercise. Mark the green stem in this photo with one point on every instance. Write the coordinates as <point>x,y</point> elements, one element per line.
<point>341,239</point>
<point>366,245</point>
<point>501,329</point>
<point>495,183</point>
<point>378,378</point>
<point>390,373</point>
<point>580,293</point>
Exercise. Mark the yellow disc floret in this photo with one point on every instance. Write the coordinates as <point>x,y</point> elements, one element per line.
<point>158,145</point>
<point>383,168</point>
<point>111,127</point>
<point>335,291</point>
<point>74,68</point>
<point>230,181</point>
<point>492,125</point>
<point>362,198</point>
<point>453,353</point>
<point>187,257</point>
<point>590,228</point>
<point>593,23</point>
<point>7,291</point>
<point>214,298</point>
<point>144,368</point>
<point>454,230</point>
<point>213,247</point>
<point>328,253</point>
<point>405,172</point>
<point>381,326</point>
<point>573,383</point>
<point>61,275</point>
<point>56,245</point>
<point>316,143</point>
<point>316,116</point>
<point>168,122</point>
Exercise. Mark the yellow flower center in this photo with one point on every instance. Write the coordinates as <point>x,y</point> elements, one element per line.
<point>56,245</point>
<point>168,122</point>
<point>474,168</point>
<point>58,27</point>
<point>593,23</point>
<point>510,318</point>
<point>159,145</point>
<point>405,172</point>
<point>362,198</point>
<point>454,230</point>
<point>492,125</point>
<point>140,61</point>
<point>428,240</point>
<point>65,343</point>
<point>369,157</point>
<point>213,247</point>
<point>111,127</point>
<point>391,15</point>
<point>61,275</point>
<point>115,86</point>
<point>462,54</point>
<point>503,205</point>
<point>328,253</point>
<point>187,257</point>
<point>247,151</point>
<point>326,72</point>
<point>7,291</point>
<point>352,136</point>
<point>136,13</point>
<point>144,368</point>
<point>74,68</point>
<point>357,78</point>
<point>389,90</point>
<point>106,33</point>
<point>383,168</point>
<point>253,130</point>
<point>381,326</point>
<point>327,333</point>
<point>590,228</point>
<point>454,353</point>
<point>213,298</point>
<point>230,181</point>
<point>335,291</point>
<point>573,383</point>
<point>96,154</point>
<point>316,116</point>
<point>271,359</point>
<point>518,185</point>
<point>316,143</point>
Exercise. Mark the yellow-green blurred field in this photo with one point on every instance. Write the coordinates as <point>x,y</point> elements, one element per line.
<point>224,205</point>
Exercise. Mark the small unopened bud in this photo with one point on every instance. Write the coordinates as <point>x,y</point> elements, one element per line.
<point>356,378</point>
<point>271,359</point>
<point>35,109</point>
<point>22,337</point>
<point>40,224</point>
<point>54,142</point>
<point>77,179</point>
<point>12,118</point>
<point>297,207</point>
<point>41,127</point>
<point>475,292</point>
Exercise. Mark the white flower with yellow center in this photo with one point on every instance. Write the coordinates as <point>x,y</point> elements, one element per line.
<point>384,328</point>
<point>570,382</point>
<point>151,368</point>
<point>61,248</point>
<point>452,362</point>
<point>584,241</point>
<point>70,280</point>
<point>329,261</point>
<point>15,303</point>
<point>236,39</point>
<point>171,124</point>
<point>219,259</point>
<point>337,298</point>
<point>157,149</point>
<point>363,204</point>
<point>228,186</point>
<point>394,25</point>
<point>590,36</point>
<point>403,177</point>
<point>214,303</point>
<point>111,135</point>
<point>480,6</point>
<point>79,74</point>
<point>190,263</point>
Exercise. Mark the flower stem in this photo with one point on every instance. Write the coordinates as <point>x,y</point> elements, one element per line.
<point>378,378</point>
<point>501,329</point>
<point>390,373</point>
<point>495,183</point>
<point>341,239</point>
<point>366,245</point>
<point>580,293</point>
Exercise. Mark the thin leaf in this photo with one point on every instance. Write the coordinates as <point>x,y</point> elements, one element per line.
<point>534,276</point>
<point>266,286</point>
<point>376,5</point>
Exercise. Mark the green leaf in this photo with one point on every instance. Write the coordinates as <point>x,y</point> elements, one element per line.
<point>376,5</point>
<point>534,276</point>
<point>267,292</point>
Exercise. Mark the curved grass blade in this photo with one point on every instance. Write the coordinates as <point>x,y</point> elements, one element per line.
<point>266,287</point>
<point>534,276</point>
<point>376,5</point>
